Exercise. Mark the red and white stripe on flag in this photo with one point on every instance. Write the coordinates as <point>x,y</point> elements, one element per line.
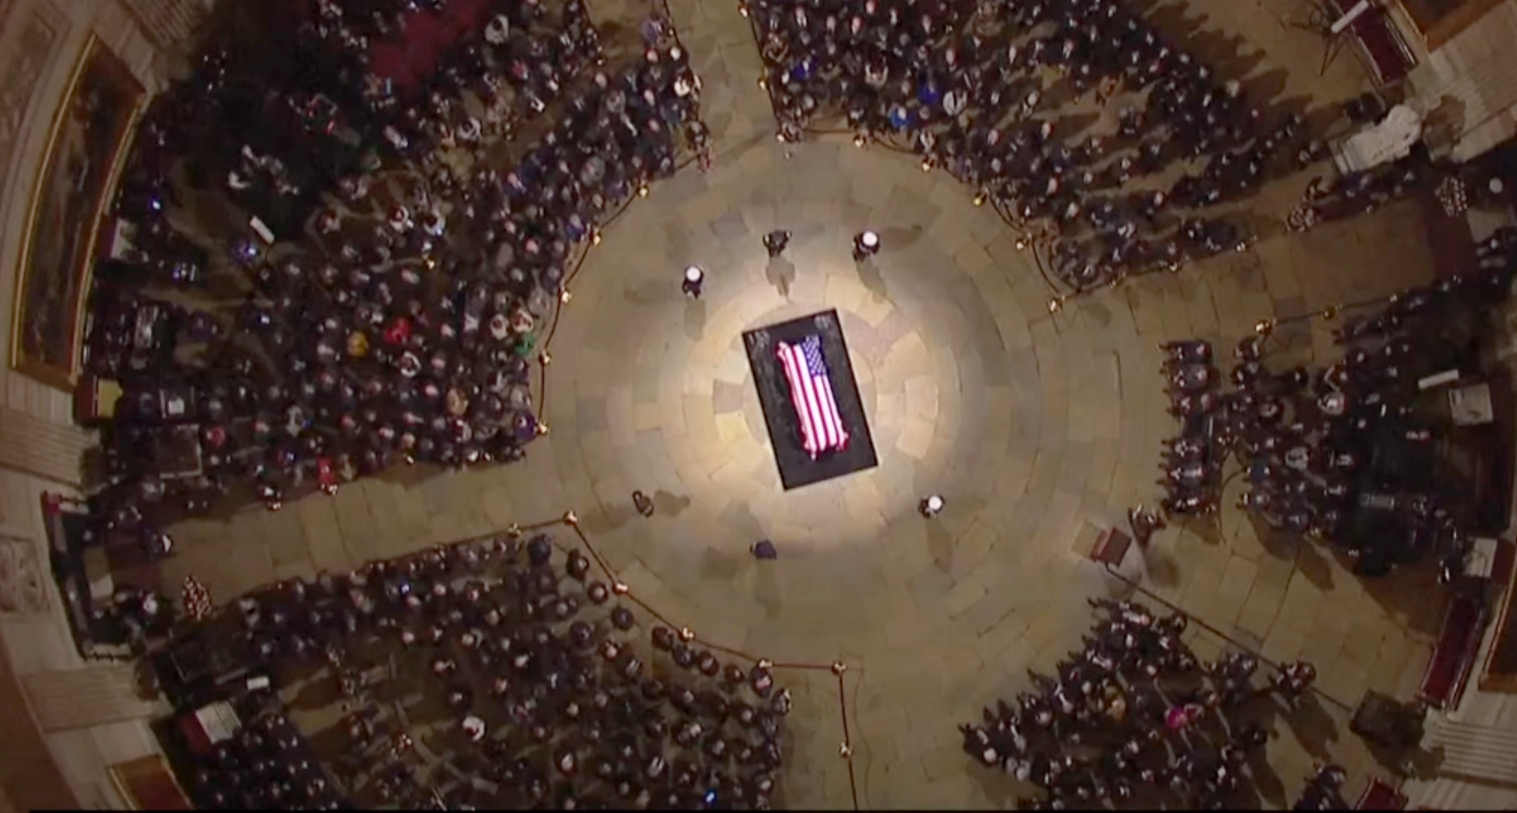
<point>811,393</point>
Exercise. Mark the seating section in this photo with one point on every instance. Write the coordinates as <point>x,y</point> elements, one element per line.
<point>1348,453</point>
<point>1134,720</point>
<point>498,673</point>
<point>398,321</point>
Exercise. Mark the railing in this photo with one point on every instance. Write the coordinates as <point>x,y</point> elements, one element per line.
<point>1230,640</point>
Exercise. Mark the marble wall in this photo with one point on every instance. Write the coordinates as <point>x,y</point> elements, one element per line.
<point>1475,73</point>
<point>40,41</point>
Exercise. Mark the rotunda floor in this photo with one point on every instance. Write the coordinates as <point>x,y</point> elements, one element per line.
<point>1037,428</point>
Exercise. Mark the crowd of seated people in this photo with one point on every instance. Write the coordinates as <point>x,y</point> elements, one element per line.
<point>1135,720</point>
<point>1357,193</point>
<point>1329,452</point>
<point>500,673</point>
<point>1193,459</point>
<point>1323,790</point>
<point>131,619</point>
<point>300,103</point>
<point>268,764</point>
<point>979,90</point>
<point>401,324</point>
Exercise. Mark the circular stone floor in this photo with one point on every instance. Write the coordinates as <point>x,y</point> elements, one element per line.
<point>1021,420</point>
<point>968,384</point>
<point>1036,428</point>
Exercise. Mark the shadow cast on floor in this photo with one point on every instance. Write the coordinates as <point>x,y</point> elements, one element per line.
<point>781,274</point>
<point>695,319</point>
<point>665,502</point>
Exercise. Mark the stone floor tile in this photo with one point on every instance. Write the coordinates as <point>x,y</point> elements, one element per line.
<point>1238,577</point>
<point>1364,642</point>
<point>1346,681</point>
<point>1260,610</point>
<point>1283,643</point>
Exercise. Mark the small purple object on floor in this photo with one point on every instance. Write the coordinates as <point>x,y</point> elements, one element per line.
<point>764,549</point>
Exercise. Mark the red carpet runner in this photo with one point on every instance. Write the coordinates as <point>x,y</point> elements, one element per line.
<point>424,39</point>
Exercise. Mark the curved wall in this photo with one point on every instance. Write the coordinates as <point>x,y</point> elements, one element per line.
<point>46,759</point>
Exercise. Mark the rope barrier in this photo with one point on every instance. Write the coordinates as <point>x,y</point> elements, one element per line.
<point>1061,289</point>
<point>846,749</point>
<point>545,356</point>
<point>1201,622</point>
<point>838,668</point>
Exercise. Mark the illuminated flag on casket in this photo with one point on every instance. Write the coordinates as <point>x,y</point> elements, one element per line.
<point>811,392</point>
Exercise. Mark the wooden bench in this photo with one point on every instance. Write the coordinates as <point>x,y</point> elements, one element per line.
<point>1379,795</point>
<point>1449,668</point>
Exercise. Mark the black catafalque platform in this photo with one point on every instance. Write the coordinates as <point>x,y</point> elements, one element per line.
<point>795,464</point>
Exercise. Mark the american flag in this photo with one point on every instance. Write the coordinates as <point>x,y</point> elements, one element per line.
<point>811,392</point>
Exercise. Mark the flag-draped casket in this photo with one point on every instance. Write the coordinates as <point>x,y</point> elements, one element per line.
<point>812,396</point>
